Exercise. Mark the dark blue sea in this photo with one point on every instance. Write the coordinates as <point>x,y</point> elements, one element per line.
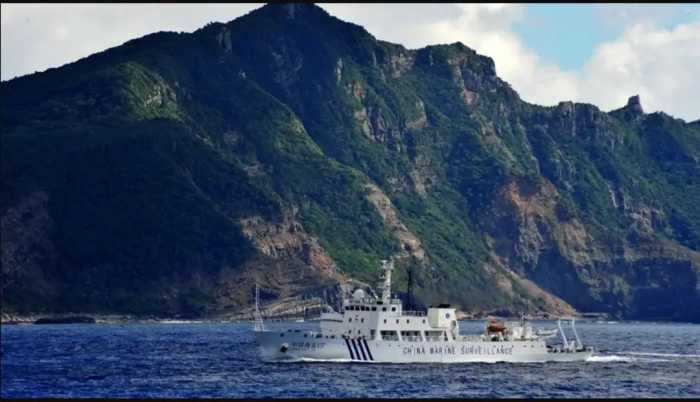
<point>221,360</point>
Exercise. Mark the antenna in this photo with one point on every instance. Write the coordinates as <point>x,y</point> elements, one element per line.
<point>409,291</point>
<point>258,326</point>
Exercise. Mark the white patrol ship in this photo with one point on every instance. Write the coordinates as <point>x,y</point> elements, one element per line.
<point>372,329</point>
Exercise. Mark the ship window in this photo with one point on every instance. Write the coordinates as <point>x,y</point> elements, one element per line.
<point>332,336</point>
<point>383,308</point>
<point>389,335</point>
<point>393,309</point>
<point>411,336</point>
<point>362,320</point>
<point>306,335</point>
<point>397,321</point>
<point>349,319</point>
<point>408,321</point>
<point>374,309</point>
<point>434,336</point>
<point>424,321</point>
<point>384,321</point>
<point>358,331</point>
<point>349,331</point>
<point>281,333</point>
<point>364,308</point>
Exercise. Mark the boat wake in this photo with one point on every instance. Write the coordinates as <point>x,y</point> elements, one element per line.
<point>645,357</point>
<point>608,359</point>
<point>675,355</point>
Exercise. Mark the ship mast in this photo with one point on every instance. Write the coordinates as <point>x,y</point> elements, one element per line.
<point>409,290</point>
<point>258,326</point>
<point>387,267</point>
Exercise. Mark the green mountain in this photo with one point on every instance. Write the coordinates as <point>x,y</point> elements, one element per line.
<point>294,150</point>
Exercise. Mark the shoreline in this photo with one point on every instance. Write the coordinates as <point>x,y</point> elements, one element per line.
<point>100,318</point>
<point>75,318</point>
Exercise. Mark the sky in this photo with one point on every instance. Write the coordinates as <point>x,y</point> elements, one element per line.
<point>593,53</point>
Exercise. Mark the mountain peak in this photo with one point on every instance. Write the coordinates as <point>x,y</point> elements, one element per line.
<point>293,11</point>
<point>634,105</point>
<point>632,111</point>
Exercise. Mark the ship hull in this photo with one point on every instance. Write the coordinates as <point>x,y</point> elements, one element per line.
<point>299,346</point>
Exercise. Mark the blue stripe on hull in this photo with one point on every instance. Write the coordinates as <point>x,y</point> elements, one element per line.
<point>354,346</point>
<point>352,356</point>
<point>362,349</point>
<point>367,346</point>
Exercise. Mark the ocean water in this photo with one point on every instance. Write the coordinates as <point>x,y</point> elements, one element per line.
<point>637,359</point>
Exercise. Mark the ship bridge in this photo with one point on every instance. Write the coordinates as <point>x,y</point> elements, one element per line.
<point>384,318</point>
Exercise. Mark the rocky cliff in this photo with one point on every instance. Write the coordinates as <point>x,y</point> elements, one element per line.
<point>294,150</point>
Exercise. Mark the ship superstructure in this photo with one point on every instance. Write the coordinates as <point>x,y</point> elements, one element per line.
<point>377,329</point>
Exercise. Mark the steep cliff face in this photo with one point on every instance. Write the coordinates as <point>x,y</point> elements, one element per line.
<point>172,173</point>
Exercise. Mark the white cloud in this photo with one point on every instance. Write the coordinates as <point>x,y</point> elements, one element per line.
<point>661,65</point>
<point>39,36</point>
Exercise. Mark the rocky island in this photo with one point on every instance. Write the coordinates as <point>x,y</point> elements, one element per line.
<point>167,176</point>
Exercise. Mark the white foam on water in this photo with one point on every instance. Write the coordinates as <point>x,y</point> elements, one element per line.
<point>690,356</point>
<point>178,322</point>
<point>611,358</point>
<point>309,359</point>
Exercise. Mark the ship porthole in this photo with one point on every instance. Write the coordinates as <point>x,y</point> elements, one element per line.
<point>284,348</point>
